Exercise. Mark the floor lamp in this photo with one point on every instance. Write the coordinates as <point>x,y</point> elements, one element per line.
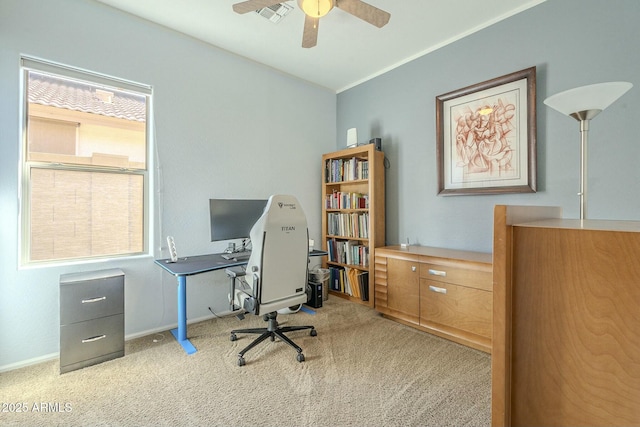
<point>583,104</point>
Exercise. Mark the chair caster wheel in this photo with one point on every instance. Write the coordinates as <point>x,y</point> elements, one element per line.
<point>300,357</point>
<point>233,337</point>
<point>313,333</point>
<point>241,361</point>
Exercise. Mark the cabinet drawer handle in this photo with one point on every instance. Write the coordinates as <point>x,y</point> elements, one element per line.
<point>413,268</point>
<point>437,272</point>
<point>85,301</point>
<point>92,339</point>
<point>437,289</point>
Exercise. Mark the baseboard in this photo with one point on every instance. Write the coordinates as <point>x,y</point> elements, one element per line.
<point>56,355</point>
<point>174,325</point>
<point>29,362</point>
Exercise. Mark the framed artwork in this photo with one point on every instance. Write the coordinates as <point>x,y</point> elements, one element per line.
<point>486,136</point>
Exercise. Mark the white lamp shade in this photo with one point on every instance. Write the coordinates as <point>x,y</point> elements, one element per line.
<point>592,97</point>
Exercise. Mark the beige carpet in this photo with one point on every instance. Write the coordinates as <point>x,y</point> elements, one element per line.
<point>361,370</point>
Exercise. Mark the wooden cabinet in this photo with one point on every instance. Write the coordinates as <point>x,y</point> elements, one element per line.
<point>353,219</point>
<point>441,291</point>
<point>566,347</point>
<point>91,318</point>
<point>403,288</point>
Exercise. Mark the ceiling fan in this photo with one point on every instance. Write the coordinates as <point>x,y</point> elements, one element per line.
<point>316,9</point>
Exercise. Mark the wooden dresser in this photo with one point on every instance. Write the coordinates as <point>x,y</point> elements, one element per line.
<point>566,343</point>
<point>441,291</point>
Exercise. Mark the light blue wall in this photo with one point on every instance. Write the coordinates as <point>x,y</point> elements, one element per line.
<point>572,43</point>
<point>218,118</point>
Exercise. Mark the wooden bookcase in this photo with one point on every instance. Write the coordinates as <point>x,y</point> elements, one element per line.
<point>353,217</point>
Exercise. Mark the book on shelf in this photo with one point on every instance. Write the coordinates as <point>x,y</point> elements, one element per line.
<point>347,200</point>
<point>339,170</point>
<point>348,224</point>
<point>350,281</point>
<point>348,252</point>
<point>363,283</point>
<point>349,245</point>
<point>335,279</point>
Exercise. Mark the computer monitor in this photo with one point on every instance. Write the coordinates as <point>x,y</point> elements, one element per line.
<point>233,218</point>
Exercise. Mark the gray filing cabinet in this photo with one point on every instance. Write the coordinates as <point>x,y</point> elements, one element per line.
<point>91,318</point>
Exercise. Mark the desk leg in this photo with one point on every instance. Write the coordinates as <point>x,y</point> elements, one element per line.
<point>180,333</point>
<point>232,297</point>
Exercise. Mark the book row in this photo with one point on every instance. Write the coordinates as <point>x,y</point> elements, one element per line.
<point>346,200</point>
<point>350,281</point>
<point>348,224</point>
<point>338,170</point>
<point>348,252</point>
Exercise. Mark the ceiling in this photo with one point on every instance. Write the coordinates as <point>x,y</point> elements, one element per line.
<point>349,50</point>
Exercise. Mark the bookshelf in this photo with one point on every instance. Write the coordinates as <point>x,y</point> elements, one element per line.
<point>353,219</point>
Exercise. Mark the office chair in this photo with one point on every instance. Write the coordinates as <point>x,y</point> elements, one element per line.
<point>276,274</point>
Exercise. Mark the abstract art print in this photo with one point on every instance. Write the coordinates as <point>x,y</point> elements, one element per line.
<point>486,136</point>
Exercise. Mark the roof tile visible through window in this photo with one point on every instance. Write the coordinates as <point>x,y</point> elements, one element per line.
<point>73,95</point>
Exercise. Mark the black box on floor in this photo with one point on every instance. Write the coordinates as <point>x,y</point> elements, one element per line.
<point>315,299</point>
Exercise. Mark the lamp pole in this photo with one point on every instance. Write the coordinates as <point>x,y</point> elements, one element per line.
<point>584,117</point>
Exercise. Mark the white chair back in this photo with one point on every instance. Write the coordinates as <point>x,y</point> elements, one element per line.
<point>278,267</point>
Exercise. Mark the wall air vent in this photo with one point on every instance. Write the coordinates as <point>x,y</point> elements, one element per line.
<point>276,12</point>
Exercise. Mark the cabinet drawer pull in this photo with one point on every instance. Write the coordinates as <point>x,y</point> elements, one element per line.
<point>437,289</point>
<point>413,268</point>
<point>92,339</point>
<point>85,301</point>
<point>437,272</point>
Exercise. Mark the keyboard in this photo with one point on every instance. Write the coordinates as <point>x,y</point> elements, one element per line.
<point>238,256</point>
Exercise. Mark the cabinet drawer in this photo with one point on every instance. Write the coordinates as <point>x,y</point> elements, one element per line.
<point>90,339</point>
<point>480,276</point>
<point>459,307</point>
<point>90,299</point>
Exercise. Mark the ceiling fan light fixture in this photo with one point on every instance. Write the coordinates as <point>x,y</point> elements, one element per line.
<point>316,8</point>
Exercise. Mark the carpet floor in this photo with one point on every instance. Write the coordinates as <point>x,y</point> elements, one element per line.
<point>360,370</point>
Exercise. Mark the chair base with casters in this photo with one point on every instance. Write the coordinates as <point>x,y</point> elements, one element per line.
<point>272,331</point>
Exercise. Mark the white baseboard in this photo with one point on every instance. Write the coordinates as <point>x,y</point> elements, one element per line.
<point>174,325</point>
<point>52,356</point>
<point>29,362</point>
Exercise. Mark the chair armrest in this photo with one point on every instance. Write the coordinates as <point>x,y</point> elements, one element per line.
<point>235,271</point>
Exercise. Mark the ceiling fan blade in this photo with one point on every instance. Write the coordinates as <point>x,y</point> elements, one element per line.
<point>253,5</point>
<point>310,34</point>
<point>365,11</point>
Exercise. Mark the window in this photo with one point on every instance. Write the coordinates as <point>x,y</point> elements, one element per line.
<point>84,171</point>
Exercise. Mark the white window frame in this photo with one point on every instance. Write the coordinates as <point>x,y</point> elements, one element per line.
<point>28,63</point>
